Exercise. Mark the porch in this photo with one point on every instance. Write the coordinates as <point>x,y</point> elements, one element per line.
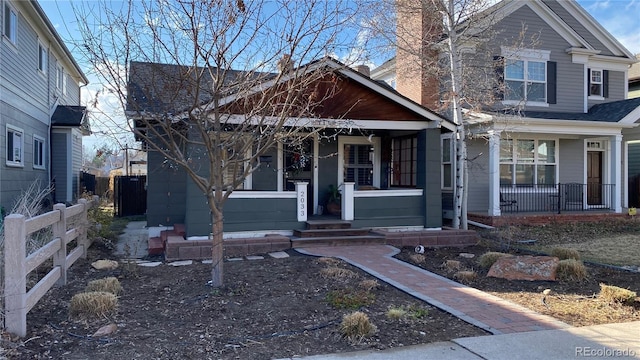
<point>556,198</point>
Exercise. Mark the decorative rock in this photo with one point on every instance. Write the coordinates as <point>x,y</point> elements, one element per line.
<point>105,330</point>
<point>279,255</point>
<point>208,261</point>
<point>104,264</point>
<point>181,263</point>
<point>255,257</point>
<point>467,255</point>
<point>530,268</point>
<point>151,264</point>
<point>235,259</point>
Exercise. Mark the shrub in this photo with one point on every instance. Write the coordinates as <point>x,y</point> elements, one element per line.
<point>349,299</point>
<point>466,275</point>
<point>487,259</point>
<point>417,258</point>
<point>92,304</point>
<point>328,261</point>
<point>452,265</point>
<point>571,270</point>
<point>368,285</point>
<point>110,285</point>
<point>396,313</point>
<point>356,326</point>
<point>563,253</point>
<point>611,293</point>
<point>335,272</point>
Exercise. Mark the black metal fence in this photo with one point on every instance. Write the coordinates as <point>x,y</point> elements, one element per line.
<point>556,198</point>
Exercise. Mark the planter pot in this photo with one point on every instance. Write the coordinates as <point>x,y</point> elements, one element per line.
<point>334,208</point>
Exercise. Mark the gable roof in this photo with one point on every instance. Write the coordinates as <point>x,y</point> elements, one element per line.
<point>611,112</point>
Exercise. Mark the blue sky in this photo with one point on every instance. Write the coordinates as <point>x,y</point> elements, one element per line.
<point>620,17</point>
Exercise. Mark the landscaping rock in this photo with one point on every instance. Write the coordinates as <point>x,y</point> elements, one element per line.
<point>181,263</point>
<point>150,264</point>
<point>530,268</point>
<point>104,264</point>
<point>279,255</point>
<point>105,330</point>
<point>467,255</point>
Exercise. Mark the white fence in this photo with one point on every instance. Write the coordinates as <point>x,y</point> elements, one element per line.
<point>17,265</point>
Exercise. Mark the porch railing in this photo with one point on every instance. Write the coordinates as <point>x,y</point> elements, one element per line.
<point>556,197</point>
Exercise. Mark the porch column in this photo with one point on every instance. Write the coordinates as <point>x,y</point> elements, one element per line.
<point>347,201</point>
<point>616,172</point>
<point>301,200</point>
<point>494,173</point>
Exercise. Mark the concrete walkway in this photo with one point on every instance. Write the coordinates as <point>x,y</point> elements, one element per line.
<point>132,243</point>
<point>491,313</point>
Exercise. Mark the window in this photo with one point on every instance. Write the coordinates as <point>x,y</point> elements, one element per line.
<point>59,77</point>
<point>447,162</point>
<point>38,152</point>
<point>595,83</point>
<point>234,160</point>
<point>358,164</point>
<point>15,146</point>
<point>404,162</point>
<point>525,80</point>
<point>528,162</point>
<point>42,58</point>
<point>10,23</point>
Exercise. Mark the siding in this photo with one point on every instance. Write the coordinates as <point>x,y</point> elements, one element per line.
<point>76,163</point>
<point>59,166</point>
<point>571,161</point>
<point>616,88</point>
<point>478,190</point>
<point>166,192</point>
<point>389,211</point>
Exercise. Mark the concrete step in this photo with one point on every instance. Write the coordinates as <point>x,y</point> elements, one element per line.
<point>330,232</point>
<point>297,242</point>
<point>328,224</point>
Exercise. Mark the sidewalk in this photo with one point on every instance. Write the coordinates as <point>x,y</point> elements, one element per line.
<point>491,313</point>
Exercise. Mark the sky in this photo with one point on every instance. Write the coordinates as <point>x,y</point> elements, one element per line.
<point>619,17</point>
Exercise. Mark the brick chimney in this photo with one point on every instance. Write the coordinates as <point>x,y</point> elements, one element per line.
<point>417,25</point>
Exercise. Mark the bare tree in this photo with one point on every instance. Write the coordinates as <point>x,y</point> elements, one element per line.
<point>212,85</point>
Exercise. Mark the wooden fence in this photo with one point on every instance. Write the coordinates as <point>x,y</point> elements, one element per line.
<point>17,265</point>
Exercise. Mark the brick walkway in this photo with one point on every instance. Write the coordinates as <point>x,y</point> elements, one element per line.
<point>476,307</point>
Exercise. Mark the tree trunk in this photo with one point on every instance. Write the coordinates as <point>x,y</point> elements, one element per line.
<point>217,249</point>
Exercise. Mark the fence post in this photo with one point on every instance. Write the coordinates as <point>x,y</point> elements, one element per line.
<point>15,287</point>
<point>84,223</point>
<point>60,232</point>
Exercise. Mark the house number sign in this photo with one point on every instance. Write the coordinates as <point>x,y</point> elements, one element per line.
<point>301,201</point>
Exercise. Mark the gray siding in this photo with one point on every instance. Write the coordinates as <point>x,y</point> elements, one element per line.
<point>428,171</point>
<point>265,178</point>
<point>59,167</point>
<point>478,194</point>
<point>76,163</point>
<point>616,88</point>
<point>166,192</point>
<point>571,161</point>
<point>634,159</point>
<point>389,211</point>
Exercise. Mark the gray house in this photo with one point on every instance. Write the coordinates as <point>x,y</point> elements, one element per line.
<point>551,140</point>
<point>381,149</point>
<point>40,116</point>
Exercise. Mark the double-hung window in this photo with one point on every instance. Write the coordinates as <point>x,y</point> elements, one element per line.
<point>10,23</point>
<point>15,146</point>
<point>528,162</point>
<point>447,161</point>
<point>525,76</point>
<point>38,152</point>
<point>595,83</point>
<point>43,62</point>
<point>59,77</point>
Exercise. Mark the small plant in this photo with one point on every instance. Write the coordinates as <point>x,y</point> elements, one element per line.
<point>466,276</point>
<point>616,294</point>
<point>368,285</point>
<point>487,259</point>
<point>396,313</point>
<point>417,312</point>
<point>110,285</point>
<point>452,265</point>
<point>356,326</point>
<point>563,253</point>
<point>349,299</point>
<point>571,270</point>
<point>328,261</point>
<point>92,304</point>
<point>417,258</point>
<point>335,272</point>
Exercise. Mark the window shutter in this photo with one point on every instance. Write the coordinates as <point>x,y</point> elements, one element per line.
<point>498,88</point>
<point>605,83</point>
<point>551,82</point>
<point>588,82</point>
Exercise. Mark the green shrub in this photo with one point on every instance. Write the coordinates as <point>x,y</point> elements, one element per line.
<point>571,270</point>
<point>487,259</point>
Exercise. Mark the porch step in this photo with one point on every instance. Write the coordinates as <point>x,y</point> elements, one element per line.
<point>155,246</point>
<point>309,233</point>
<point>328,224</point>
<point>297,242</point>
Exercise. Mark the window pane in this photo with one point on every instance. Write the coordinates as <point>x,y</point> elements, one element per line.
<point>446,176</point>
<point>446,150</point>
<point>506,150</point>
<point>547,151</point>
<point>514,69</point>
<point>595,89</point>
<point>10,146</point>
<point>506,174</point>
<point>546,174</point>
<point>596,76</point>
<point>525,150</point>
<point>514,90</point>
<point>536,71</point>
<point>524,174</point>
<point>537,92</point>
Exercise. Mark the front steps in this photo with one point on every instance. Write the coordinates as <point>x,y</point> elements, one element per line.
<point>333,233</point>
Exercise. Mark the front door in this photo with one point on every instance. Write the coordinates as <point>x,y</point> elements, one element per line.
<point>594,177</point>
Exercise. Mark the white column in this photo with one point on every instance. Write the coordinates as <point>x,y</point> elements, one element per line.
<point>301,200</point>
<point>616,172</point>
<point>494,173</point>
<point>347,200</point>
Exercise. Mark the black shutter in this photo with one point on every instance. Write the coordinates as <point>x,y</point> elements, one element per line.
<point>551,82</point>
<point>498,88</point>
<point>588,82</point>
<point>605,83</point>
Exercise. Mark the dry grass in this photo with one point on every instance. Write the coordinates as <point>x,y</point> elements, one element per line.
<point>465,276</point>
<point>110,285</point>
<point>452,265</point>
<point>487,259</point>
<point>356,326</point>
<point>563,253</point>
<point>329,261</point>
<point>335,272</point>
<point>571,270</point>
<point>614,294</point>
<point>417,258</point>
<point>368,285</point>
<point>92,304</point>
<point>396,313</point>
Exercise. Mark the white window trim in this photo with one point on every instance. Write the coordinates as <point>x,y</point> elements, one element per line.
<point>11,128</point>
<point>601,96</point>
<point>59,77</point>
<point>40,139</point>
<point>510,53</point>
<point>12,38</point>
<point>535,162</point>
<point>359,140</point>
<point>452,160</point>
<point>43,68</point>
